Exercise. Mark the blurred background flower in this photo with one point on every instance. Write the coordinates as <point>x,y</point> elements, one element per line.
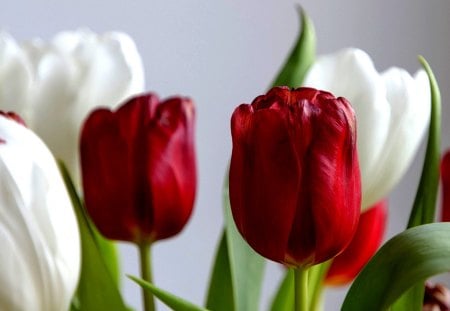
<point>54,84</point>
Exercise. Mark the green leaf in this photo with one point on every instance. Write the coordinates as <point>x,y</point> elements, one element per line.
<point>284,298</point>
<point>109,252</point>
<point>172,301</point>
<point>425,202</point>
<point>424,206</point>
<point>407,259</point>
<point>302,56</point>
<point>411,300</point>
<point>220,295</point>
<point>97,289</point>
<point>246,266</point>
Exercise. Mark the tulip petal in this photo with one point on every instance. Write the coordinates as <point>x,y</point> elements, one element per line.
<point>171,170</point>
<point>55,84</point>
<point>143,156</point>
<point>263,207</point>
<point>37,225</point>
<point>363,246</point>
<point>410,102</point>
<point>392,111</point>
<point>113,202</point>
<point>330,182</point>
<point>15,76</point>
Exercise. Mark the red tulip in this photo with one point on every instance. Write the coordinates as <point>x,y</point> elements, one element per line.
<point>138,168</point>
<point>295,188</point>
<point>365,243</point>
<point>445,179</point>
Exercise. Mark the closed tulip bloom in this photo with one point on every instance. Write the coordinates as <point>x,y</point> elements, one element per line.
<point>294,176</point>
<point>369,235</point>
<point>392,109</point>
<point>445,179</point>
<point>39,238</point>
<point>138,168</point>
<point>54,84</point>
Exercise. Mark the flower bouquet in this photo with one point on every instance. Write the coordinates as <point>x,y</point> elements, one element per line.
<point>312,163</point>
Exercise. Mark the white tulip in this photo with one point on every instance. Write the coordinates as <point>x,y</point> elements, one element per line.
<point>54,85</point>
<point>39,237</point>
<point>392,111</point>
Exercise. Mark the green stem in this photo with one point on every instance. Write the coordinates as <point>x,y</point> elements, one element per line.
<point>146,274</point>
<point>317,275</point>
<point>301,289</point>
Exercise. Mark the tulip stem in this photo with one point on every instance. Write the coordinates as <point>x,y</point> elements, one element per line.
<point>301,289</point>
<point>146,274</point>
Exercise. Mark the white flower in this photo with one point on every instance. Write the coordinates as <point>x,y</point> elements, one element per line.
<point>39,238</point>
<point>392,111</point>
<point>54,85</point>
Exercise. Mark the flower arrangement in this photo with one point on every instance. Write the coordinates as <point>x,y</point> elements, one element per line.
<point>312,163</point>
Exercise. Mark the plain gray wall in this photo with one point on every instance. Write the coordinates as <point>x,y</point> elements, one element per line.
<point>223,53</point>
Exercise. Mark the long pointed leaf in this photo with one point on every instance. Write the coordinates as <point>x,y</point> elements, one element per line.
<point>302,55</point>
<point>424,206</point>
<point>425,202</point>
<point>220,295</point>
<point>172,301</point>
<point>246,266</point>
<point>97,289</point>
<point>407,259</point>
<point>284,298</point>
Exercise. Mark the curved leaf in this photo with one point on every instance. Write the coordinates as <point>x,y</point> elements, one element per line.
<point>246,266</point>
<point>302,56</point>
<point>425,202</point>
<point>172,301</point>
<point>220,294</point>
<point>424,206</point>
<point>97,288</point>
<point>407,259</point>
<point>284,298</point>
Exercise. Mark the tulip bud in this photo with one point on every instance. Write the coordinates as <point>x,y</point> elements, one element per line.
<point>54,84</point>
<point>294,177</point>
<point>436,298</point>
<point>366,241</point>
<point>138,168</point>
<point>392,109</point>
<point>445,179</point>
<point>39,238</point>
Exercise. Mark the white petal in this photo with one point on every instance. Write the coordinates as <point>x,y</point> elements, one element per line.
<point>410,105</point>
<point>38,229</point>
<point>15,76</point>
<point>67,78</point>
<point>350,73</point>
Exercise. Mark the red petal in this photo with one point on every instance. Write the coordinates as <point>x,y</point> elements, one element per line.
<point>172,170</point>
<point>365,243</point>
<point>263,179</point>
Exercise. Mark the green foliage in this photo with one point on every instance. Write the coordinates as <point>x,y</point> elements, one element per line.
<point>407,259</point>
<point>172,301</point>
<point>424,206</point>
<point>220,295</point>
<point>425,202</point>
<point>97,288</point>
<point>301,58</point>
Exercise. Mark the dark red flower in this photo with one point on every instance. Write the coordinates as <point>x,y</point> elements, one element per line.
<point>445,179</point>
<point>365,243</point>
<point>138,168</point>
<point>295,188</point>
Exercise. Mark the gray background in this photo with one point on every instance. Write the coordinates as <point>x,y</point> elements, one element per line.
<point>223,53</point>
